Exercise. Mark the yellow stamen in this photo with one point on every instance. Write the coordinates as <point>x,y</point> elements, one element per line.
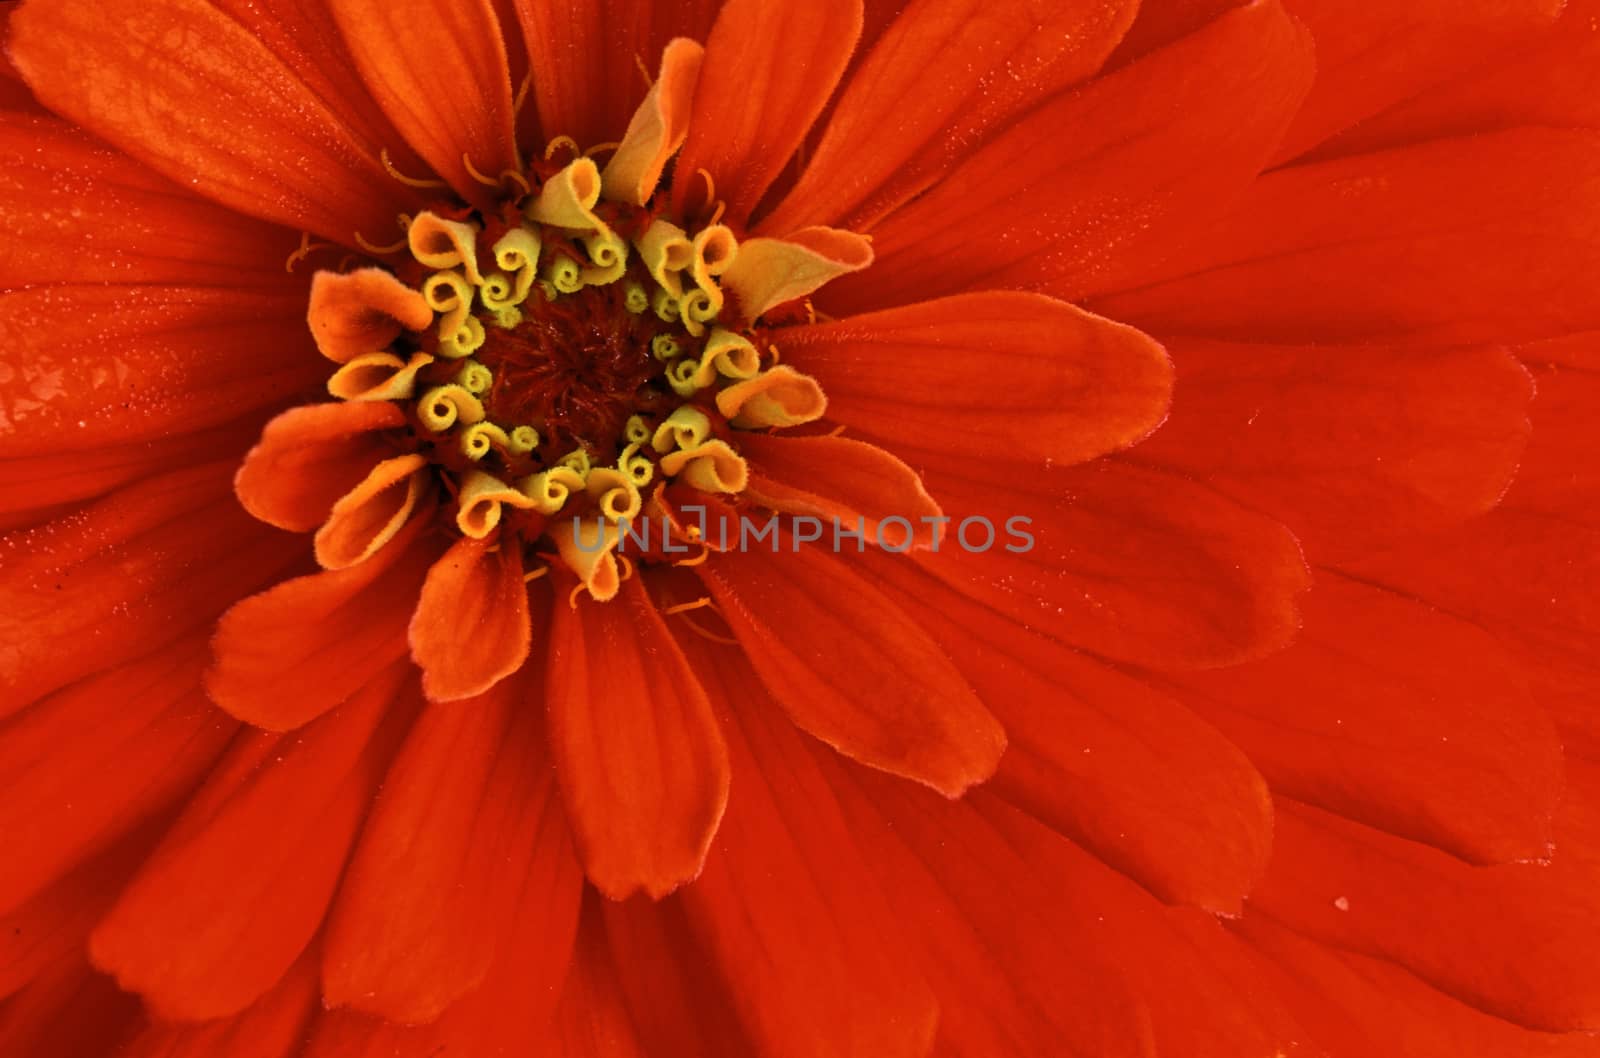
<point>440,243</point>
<point>472,171</point>
<point>479,439</point>
<point>712,467</point>
<point>522,94</point>
<point>685,428</point>
<point>409,181</point>
<point>307,248</point>
<point>375,250</point>
<point>482,497</point>
<point>559,142</point>
<point>443,406</point>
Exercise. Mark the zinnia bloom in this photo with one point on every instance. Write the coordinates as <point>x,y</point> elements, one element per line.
<point>1203,388</point>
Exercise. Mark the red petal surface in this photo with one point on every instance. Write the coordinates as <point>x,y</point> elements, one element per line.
<point>1352,447</point>
<point>1516,941</point>
<point>271,1027</point>
<point>1138,566</point>
<point>944,76</point>
<point>438,69</point>
<point>467,827</point>
<point>89,763</point>
<point>837,478</point>
<point>239,886</point>
<point>79,211</point>
<point>1372,53</point>
<point>288,655</point>
<point>1392,714</point>
<point>1546,83</point>
<point>768,70</point>
<point>129,574</point>
<point>1397,246</point>
<point>1026,377</point>
<point>96,367</point>
<point>786,908</point>
<point>1355,1006</point>
<point>586,58</point>
<point>675,997</point>
<point>853,668</point>
<point>643,765</point>
<point>1094,186</point>
<point>187,90</point>
<point>510,1012</point>
<point>34,489</point>
<point>311,456</point>
<point>1122,769</point>
<point>471,628</point>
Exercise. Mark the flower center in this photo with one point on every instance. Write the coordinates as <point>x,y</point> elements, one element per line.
<point>577,370</point>
<point>572,360</point>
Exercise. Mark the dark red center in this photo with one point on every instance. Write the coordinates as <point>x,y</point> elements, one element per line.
<point>575,369</point>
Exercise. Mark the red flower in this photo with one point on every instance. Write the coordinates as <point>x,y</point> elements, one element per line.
<point>877,266</point>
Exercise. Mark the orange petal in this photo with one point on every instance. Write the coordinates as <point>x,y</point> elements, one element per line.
<point>771,272</point>
<point>53,927</point>
<point>769,68</point>
<point>471,629</point>
<point>1515,941</point>
<point>1351,447</point>
<point>1372,54</point>
<point>837,478</point>
<point>376,377</point>
<point>778,397</point>
<point>34,489</point>
<point>1010,376</point>
<point>643,766</point>
<point>190,92</point>
<point>306,39</point>
<point>658,127</point>
<point>438,69</point>
<point>1353,1005</point>
<point>369,515</point>
<point>1403,719</point>
<point>359,312</point>
<point>593,1021</point>
<point>142,736</point>
<point>124,576</point>
<point>291,653</point>
<point>667,981</point>
<point>511,1009</point>
<point>66,1011</point>
<point>1108,760</point>
<point>271,1027</point>
<point>1098,183</point>
<point>310,456</point>
<point>1546,83</point>
<point>1390,246</point>
<point>586,59</point>
<point>239,886</point>
<point>853,668</point>
<point>943,77</point>
<point>1134,565</point>
<point>824,966</point>
<point>1160,23</point>
<point>1055,926</point>
<point>58,234</point>
<point>588,549</point>
<point>93,367</point>
<point>467,836</point>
